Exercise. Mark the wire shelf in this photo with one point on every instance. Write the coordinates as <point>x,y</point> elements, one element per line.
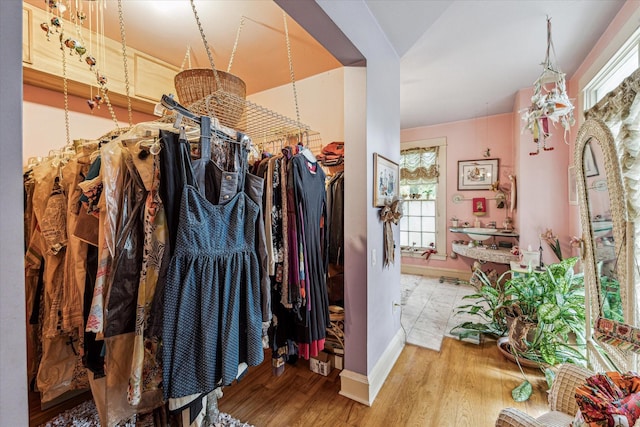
<point>269,130</point>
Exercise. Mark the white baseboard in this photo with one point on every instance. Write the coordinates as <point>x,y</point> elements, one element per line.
<point>363,388</point>
<point>435,272</point>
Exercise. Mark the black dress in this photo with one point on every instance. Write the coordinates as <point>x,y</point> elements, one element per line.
<point>311,213</point>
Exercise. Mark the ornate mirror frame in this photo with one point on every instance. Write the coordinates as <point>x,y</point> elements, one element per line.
<point>614,123</point>
<point>595,131</point>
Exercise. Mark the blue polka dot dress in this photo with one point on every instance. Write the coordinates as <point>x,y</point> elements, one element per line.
<point>212,305</point>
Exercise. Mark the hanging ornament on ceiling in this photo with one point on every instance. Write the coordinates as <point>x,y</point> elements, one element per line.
<point>80,50</point>
<point>101,79</point>
<point>45,27</point>
<point>58,11</point>
<point>550,103</point>
<point>56,6</point>
<point>91,61</point>
<point>55,21</point>
<point>80,17</point>
<point>70,43</point>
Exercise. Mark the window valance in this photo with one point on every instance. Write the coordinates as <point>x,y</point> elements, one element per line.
<point>419,166</point>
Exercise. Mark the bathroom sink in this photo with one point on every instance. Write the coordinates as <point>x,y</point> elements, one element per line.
<point>476,233</point>
<point>601,228</point>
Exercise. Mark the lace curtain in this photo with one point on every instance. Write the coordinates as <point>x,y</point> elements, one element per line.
<point>419,166</point>
<point>620,110</point>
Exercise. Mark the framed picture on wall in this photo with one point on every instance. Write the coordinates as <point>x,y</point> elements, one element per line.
<point>477,174</point>
<point>386,180</point>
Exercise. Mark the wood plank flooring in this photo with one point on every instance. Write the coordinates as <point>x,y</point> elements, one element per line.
<point>462,385</point>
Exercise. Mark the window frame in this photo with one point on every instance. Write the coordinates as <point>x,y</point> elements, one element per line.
<point>605,72</point>
<point>441,196</point>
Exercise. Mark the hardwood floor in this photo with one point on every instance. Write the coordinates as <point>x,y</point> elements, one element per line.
<point>462,385</point>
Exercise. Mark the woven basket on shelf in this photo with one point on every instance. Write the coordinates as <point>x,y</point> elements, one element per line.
<point>195,84</point>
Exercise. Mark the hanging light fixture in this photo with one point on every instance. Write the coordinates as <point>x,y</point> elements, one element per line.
<point>550,101</point>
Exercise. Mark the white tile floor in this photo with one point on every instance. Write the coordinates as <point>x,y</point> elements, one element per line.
<point>428,309</point>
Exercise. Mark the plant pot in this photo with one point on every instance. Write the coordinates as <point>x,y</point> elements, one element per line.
<point>505,348</point>
<point>454,223</point>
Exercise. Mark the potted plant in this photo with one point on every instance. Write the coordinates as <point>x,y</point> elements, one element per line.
<point>553,300</point>
<point>552,303</point>
<point>454,221</point>
<point>545,314</point>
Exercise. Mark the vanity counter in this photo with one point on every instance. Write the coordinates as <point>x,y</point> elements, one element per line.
<point>486,231</point>
<point>483,253</point>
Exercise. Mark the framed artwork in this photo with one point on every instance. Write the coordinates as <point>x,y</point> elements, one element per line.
<point>590,165</point>
<point>386,180</point>
<point>479,206</point>
<point>573,186</point>
<point>477,174</point>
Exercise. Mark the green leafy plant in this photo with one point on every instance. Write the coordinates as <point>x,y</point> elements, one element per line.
<point>611,303</point>
<point>487,308</point>
<point>553,242</point>
<point>551,302</point>
<point>554,300</point>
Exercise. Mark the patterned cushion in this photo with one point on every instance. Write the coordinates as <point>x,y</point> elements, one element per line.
<point>610,399</point>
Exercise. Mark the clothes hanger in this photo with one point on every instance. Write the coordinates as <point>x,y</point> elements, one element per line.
<point>227,134</point>
<point>306,152</point>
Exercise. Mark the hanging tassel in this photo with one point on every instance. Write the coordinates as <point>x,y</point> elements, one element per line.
<point>545,126</point>
<point>536,138</point>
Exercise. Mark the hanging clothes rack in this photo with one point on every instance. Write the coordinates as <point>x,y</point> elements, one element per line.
<point>261,124</point>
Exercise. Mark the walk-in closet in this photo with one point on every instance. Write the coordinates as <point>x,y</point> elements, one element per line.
<point>178,233</point>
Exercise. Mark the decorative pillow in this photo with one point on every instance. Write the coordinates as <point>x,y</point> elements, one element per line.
<point>610,399</point>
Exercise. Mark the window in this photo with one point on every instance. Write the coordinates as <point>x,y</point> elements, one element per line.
<point>624,62</point>
<point>422,189</point>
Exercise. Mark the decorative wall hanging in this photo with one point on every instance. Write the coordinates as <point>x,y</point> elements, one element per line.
<point>479,206</point>
<point>390,213</point>
<point>386,180</point>
<point>477,174</point>
<point>550,101</point>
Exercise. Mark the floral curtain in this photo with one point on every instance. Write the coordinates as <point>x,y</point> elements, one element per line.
<point>419,166</point>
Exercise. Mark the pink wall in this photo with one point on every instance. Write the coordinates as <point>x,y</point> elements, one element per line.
<point>542,179</point>
<point>467,140</point>
<point>542,186</point>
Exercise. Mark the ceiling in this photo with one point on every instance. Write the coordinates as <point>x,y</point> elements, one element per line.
<point>460,59</point>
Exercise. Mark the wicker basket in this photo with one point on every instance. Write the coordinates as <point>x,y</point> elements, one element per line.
<point>195,84</point>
